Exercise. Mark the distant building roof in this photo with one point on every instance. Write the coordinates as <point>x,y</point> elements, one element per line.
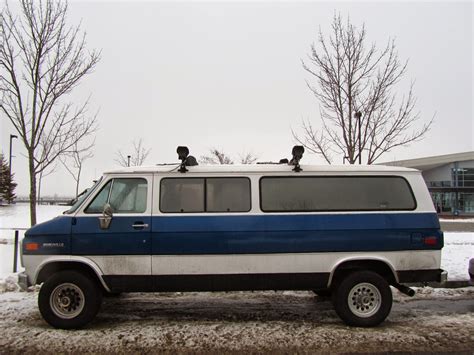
<point>432,162</point>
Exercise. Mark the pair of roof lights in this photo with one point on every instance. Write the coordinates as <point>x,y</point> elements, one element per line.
<point>189,160</point>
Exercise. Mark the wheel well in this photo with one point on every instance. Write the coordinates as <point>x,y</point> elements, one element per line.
<point>377,266</point>
<point>53,267</point>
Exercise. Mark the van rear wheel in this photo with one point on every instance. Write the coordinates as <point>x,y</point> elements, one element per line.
<point>363,299</point>
<point>69,299</point>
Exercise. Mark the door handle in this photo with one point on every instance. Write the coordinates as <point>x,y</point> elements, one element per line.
<point>139,225</point>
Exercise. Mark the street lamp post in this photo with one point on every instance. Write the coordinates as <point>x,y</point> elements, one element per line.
<point>358,115</point>
<point>10,161</point>
<point>128,160</point>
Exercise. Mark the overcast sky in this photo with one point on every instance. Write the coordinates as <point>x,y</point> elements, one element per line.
<point>229,75</point>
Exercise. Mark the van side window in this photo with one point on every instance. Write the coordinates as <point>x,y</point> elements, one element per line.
<point>227,194</point>
<point>182,195</point>
<point>128,196</point>
<point>97,204</point>
<point>331,193</point>
<point>125,195</point>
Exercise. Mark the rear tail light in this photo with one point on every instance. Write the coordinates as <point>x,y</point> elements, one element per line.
<point>430,241</point>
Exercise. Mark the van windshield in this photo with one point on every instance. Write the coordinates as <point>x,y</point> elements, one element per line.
<point>81,197</point>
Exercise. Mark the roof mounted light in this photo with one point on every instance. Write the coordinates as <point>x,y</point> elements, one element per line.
<point>297,153</point>
<point>191,161</point>
<point>186,159</point>
<point>183,153</point>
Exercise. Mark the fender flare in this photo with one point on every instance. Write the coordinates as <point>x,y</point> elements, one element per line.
<point>72,259</point>
<point>361,258</point>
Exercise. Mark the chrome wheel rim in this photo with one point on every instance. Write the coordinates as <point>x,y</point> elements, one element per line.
<point>364,300</point>
<point>67,301</point>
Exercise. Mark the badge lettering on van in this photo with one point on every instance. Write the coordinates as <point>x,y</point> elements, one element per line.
<point>53,245</point>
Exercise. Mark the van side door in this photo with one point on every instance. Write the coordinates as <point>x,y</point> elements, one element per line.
<point>122,246</point>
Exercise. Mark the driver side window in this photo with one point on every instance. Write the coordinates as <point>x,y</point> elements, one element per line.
<point>125,195</point>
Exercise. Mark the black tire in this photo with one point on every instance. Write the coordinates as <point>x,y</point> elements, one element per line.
<point>365,306</point>
<point>61,292</point>
<point>323,293</point>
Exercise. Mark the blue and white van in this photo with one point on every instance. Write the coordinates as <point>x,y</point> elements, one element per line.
<point>348,231</point>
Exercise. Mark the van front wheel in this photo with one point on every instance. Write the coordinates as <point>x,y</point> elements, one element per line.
<point>363,299</point>
<point>69,299</point>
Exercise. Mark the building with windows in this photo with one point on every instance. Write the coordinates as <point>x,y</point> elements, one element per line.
<point>450,180</point>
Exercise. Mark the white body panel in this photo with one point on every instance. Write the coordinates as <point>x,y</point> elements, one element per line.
<point>287,263</point>
<point>239,263</point>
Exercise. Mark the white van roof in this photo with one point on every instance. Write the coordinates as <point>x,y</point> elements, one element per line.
<point>264,168</point>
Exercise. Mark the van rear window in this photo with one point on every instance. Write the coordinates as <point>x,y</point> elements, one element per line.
<point>335,193</point>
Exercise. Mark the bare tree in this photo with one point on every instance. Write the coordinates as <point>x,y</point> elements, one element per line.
<point>356,83</point>
<point>74,160</point>
<point>216,157</point>
<point>248,158</point>
<point>136,158</point>
<point>41,60</point>
<point>41,175</point>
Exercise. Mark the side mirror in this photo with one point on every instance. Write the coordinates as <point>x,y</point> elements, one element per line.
<point>106,218</point>
<point>108,210</point>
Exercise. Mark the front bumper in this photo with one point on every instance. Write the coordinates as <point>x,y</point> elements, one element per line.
<point>23,281</point>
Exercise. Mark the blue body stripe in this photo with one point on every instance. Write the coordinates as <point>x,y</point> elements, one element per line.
<point>238,234</point>
<point>181,235</point>
<point>294,222</point>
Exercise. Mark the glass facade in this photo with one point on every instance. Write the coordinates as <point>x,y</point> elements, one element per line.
<point>455,196</point>
<point>452,202</point>
<point>466,202</point>
<point>463,177</point>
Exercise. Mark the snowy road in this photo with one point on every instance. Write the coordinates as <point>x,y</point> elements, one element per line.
<point>435,320</point>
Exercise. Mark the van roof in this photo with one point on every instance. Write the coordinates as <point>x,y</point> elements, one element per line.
<point>256,168</point>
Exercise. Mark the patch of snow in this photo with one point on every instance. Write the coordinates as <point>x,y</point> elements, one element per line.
<point>9,284</point>
<point>458,249</point>
<point>444,293</point>
<point>457,220</point>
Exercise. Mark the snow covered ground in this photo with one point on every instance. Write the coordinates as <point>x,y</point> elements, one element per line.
<point>255,322</point>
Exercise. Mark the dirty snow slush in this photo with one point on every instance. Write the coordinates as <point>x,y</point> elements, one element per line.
<point>435,320</point>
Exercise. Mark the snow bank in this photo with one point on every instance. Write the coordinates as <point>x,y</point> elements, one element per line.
<point>9,284</point>
<point>458,249</point>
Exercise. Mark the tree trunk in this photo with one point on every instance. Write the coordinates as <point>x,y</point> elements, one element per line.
<point>32,188</point>
<point>77,180</point>
<point>38,191</point>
